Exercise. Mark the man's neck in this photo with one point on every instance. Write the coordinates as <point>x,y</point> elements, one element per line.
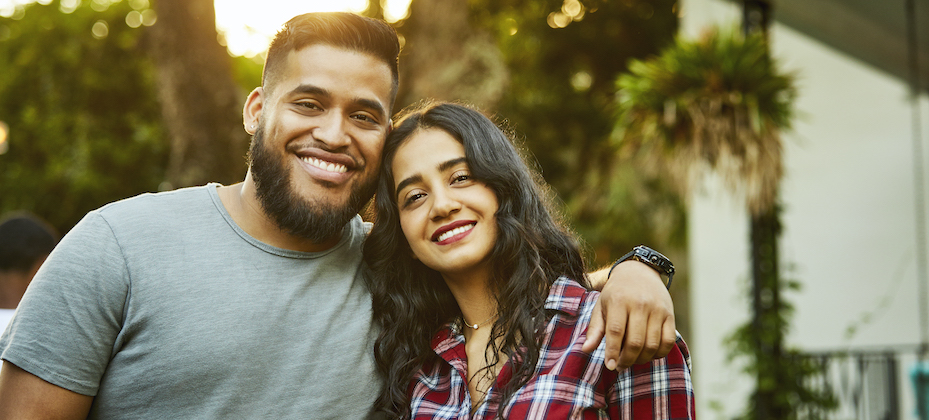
<point>241,201</point>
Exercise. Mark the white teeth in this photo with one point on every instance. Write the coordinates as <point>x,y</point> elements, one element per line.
<point>455,231</point>
<point>326,166</point>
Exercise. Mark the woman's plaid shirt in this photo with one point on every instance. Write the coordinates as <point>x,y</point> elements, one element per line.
<point>568,383</point>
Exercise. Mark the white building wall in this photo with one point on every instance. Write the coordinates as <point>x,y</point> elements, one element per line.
<point>849,218</point>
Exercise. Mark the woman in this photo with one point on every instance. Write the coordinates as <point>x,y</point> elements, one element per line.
<point>479,291</point>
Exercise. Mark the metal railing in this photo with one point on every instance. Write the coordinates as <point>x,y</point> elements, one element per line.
<point>866,384</point>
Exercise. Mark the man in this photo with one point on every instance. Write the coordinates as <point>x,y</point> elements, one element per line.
<point>240,301</point>
<point>25,242</point>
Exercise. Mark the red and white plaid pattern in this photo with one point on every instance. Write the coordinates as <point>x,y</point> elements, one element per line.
<point>568,383</point>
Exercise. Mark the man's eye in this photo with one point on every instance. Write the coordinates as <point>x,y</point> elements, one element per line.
<point>364,118</point>
<point>308,105</point>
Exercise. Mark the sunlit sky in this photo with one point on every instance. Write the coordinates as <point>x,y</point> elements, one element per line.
<point>249,25</point>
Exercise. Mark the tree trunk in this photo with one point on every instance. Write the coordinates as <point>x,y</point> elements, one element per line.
<point>767,321</point>
<point>446,58</point>
<point>201,104</point>
<point>766,286</point>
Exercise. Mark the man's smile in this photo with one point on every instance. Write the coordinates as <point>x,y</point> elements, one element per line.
<point>326,166</point>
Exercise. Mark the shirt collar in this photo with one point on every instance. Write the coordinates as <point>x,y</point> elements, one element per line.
<point>566,296</point>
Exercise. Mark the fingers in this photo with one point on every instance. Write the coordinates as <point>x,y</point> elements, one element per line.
<point>668,337</point>
<point>594,330</point>
<point>634,340</point>
<point>615,334</point>
<point>630,336</point>
<point>652,341</point>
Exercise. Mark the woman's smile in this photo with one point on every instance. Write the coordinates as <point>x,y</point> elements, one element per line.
<point>453,232</point>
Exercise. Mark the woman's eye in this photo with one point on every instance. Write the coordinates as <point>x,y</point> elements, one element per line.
<point>412,198</point>
<point>461,177</point>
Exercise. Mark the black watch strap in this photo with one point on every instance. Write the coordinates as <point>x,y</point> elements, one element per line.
<point>652,258</point>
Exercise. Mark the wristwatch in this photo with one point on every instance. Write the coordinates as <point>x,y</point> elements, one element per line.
<point>652,258</point>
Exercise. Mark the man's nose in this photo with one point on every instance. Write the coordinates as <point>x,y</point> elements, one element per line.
<point>331,129</point>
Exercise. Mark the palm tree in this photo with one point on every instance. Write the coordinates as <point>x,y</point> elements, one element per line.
<point>716,102</point>
<point>719,103</point>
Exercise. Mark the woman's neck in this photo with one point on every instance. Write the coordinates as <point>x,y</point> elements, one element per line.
<point>475,299</point>
<point>478,307</point>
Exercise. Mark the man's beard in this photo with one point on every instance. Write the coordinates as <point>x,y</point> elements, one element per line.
<point>315,221</point>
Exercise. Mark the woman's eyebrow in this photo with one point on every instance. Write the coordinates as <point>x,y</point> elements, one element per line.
<point>444,166</point>
<point>408,181</point>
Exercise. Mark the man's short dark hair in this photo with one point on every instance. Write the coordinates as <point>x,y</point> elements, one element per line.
<point>337,29</point>
<point>24,240</point>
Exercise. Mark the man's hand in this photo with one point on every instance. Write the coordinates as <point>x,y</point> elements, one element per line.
<point>637,314</point>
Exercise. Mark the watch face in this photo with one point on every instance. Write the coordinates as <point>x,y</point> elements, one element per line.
<point>654,259</point>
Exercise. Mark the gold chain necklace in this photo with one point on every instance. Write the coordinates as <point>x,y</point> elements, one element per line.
<point>476,326</point>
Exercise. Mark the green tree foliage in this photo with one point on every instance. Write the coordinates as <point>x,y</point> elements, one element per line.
<point>77,92</point>
<point>785,378</point>
<point>563,56</point>
<point>718,101</point>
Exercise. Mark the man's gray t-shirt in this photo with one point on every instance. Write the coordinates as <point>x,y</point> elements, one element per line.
<point>162,307</point>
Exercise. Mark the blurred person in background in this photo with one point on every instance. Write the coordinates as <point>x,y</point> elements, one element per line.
<point>25,242</point>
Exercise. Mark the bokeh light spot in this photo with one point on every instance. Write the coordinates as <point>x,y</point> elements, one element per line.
<point>4,136</point>
<point>513,26</point>
<point>100,29</point>
<point>558,20</point>
<point>68,6</point>
<point>134,19</point>
<point>138,5</point>
<point>149,17</point>
<point>581,81</point>
<point>396,10</point>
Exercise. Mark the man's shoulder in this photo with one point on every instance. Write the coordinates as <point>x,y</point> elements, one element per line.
<point>159,210</point>
<point>156,204</point>
<point>158,199</point>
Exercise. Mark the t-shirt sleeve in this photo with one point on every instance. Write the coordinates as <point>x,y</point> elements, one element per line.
<point>67,323</point>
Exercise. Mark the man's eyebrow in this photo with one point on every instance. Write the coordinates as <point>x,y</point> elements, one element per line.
<point>373,105</point>
<point>444,166</point>
<point>311,89</point>
<point>408,181</point>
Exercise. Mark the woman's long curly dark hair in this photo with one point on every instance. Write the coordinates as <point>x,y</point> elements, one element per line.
<point>412,302</point>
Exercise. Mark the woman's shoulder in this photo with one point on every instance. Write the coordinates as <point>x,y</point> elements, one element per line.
<point>568,296</point>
